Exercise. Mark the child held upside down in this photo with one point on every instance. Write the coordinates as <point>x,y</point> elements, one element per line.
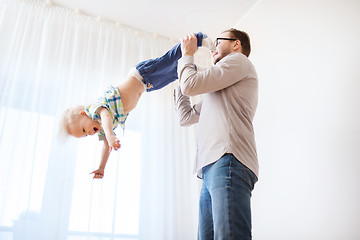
<point>112,109</point>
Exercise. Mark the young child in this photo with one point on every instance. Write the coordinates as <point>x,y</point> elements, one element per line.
<point>112,109</point>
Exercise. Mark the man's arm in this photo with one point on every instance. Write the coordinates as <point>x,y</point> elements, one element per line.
<point>99,173</point>
<point>187,114</point>
<point>231,69</point>
<point>228,71</point>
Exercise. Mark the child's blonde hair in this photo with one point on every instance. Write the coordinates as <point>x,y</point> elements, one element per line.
<point>68,117</point>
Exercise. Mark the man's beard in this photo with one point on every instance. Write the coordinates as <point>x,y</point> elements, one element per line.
<point>220,56</point>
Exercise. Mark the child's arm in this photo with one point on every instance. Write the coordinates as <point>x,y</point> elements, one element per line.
<point>107,124</point>
<point>99,173</point>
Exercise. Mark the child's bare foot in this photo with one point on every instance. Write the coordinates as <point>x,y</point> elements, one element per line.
<point>206,42</point>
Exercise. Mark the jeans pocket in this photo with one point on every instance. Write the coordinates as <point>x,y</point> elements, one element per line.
<point>249,177</point>
<point>244,173</point>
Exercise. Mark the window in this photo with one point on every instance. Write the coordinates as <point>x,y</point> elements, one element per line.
<point>110,206</point>
<point>97,209</point>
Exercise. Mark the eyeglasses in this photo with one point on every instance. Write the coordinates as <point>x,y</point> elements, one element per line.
<point>217,40</point>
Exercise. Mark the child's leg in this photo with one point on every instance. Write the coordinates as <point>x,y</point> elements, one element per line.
<point>159,72</point>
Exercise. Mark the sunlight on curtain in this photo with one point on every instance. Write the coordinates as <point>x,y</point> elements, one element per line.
<point>50,59</point>
<point>115,198</point>
<point>16,148</point>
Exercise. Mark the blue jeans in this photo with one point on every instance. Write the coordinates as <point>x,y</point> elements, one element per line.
<point>224,209</point>
<point>161,71</point>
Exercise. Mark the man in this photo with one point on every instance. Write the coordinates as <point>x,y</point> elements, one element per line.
<point>226,152</point>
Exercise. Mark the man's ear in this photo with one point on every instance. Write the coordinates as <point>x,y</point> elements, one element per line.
<point>238,46</point>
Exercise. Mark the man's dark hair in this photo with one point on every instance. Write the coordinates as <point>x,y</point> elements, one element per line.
<point>243,37</point>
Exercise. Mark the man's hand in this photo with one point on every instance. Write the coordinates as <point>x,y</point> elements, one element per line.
<point>114,142</point>
<point>189,45</point>
<point>98,174</point>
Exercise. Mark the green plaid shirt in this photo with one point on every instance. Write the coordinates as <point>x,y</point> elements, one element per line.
<point>112,102</point>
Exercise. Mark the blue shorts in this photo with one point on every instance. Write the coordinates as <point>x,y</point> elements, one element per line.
<point>159,72</point>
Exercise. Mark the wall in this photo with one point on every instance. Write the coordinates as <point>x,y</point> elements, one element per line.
<point>307,125</point>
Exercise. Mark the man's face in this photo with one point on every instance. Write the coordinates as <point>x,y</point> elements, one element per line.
<point>224,47</point>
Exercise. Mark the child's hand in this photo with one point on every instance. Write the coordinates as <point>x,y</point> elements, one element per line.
<point>98,174</point>
<point>114,143</point>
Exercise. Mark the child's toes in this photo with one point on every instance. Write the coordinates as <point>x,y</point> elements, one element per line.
<point>206,42</point>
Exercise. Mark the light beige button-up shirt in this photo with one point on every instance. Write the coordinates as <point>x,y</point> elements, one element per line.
<point>226,112</point>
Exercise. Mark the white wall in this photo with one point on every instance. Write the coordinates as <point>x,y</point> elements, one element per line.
<point>307,55</point>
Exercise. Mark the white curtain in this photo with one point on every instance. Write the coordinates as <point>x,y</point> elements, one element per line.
<point>52,58</point>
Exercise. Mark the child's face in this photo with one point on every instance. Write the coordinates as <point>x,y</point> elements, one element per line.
<point>84,126</point>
